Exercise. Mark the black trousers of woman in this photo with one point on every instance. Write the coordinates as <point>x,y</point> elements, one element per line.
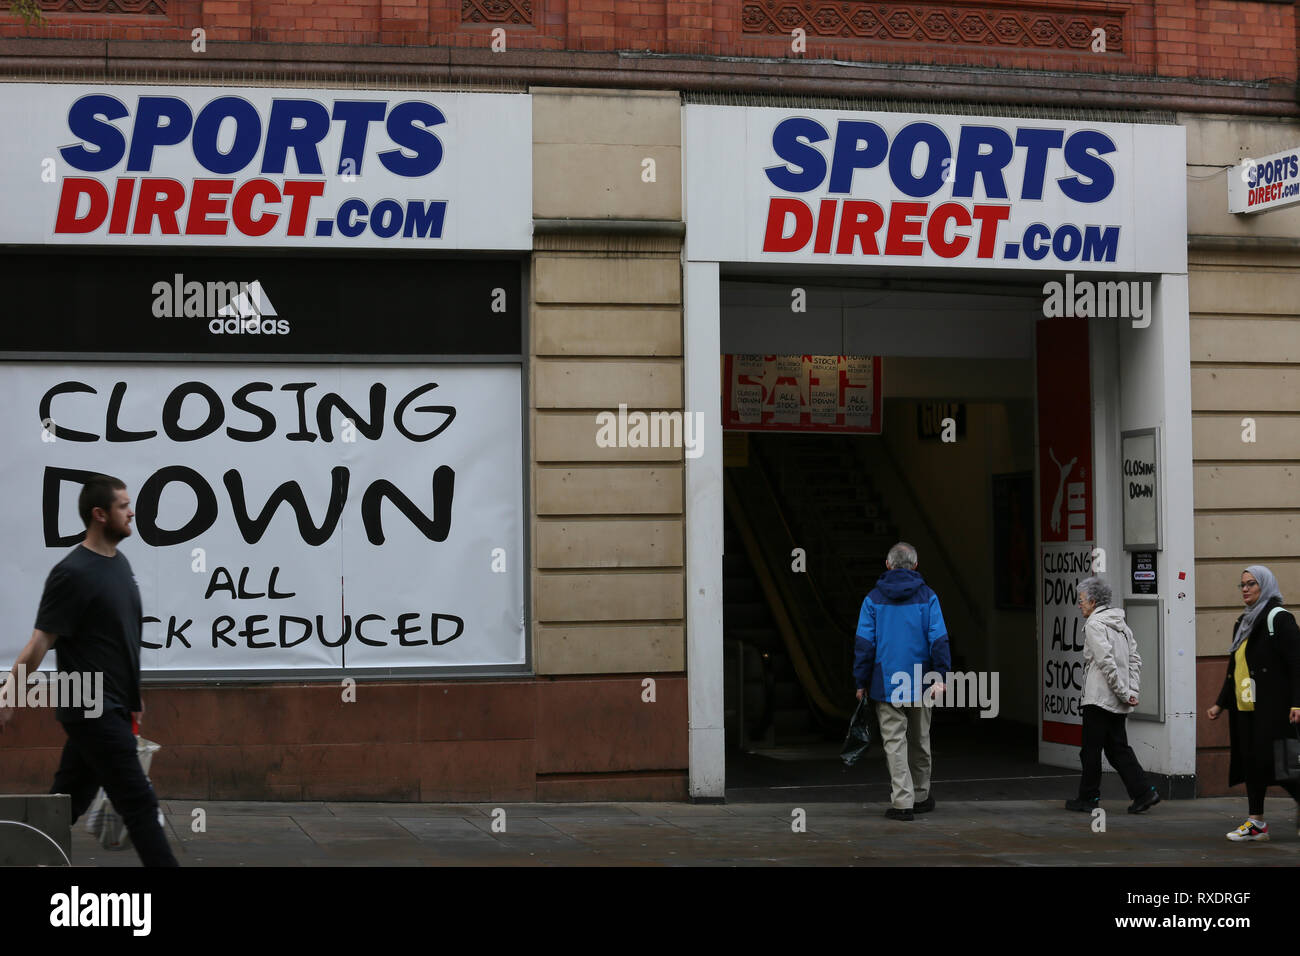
<point>1259,775</point>
<point>1104,732</point>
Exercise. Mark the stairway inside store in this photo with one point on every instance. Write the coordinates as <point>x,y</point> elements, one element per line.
<point>817,494</point>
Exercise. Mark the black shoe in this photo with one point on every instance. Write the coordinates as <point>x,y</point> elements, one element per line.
<point>894,813</point>
<point>1083,806</point>
<point>925,806</point>
<point>1145,802</point>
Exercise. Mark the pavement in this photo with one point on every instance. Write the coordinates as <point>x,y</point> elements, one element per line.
<point>1002,833</point>
<point>997,806</point>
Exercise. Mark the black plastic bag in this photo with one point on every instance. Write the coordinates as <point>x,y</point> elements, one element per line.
<point>1286,757</point>
<point>858,738</point>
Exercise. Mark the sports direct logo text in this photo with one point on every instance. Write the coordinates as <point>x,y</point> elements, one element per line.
<point>1268,181</point>
<point>955,228</point>
<point>247,154</point>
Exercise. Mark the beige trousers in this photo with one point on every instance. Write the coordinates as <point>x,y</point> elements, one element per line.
<point>905,734</point>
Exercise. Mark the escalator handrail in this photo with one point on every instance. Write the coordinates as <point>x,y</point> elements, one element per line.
<point>786,592</point>
<point>764,472</point>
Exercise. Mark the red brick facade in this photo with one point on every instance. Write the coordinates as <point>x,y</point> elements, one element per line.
<point>568,738</point>
<point>1207,39</point>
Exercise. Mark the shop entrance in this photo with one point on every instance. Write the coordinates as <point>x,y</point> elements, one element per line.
<point>945,463</point>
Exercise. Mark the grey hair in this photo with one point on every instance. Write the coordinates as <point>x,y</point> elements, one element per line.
<point>901,555</point>
<point>1096,590</point>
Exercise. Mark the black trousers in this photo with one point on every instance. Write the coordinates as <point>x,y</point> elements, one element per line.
<point>101,752</point>
<point>1259,775</point>
<point>1104,732</point>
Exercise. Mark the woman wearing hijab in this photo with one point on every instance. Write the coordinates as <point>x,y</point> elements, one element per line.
<point>1261,694</point>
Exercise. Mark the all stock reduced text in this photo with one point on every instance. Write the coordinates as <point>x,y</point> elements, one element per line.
<point>256,632</point>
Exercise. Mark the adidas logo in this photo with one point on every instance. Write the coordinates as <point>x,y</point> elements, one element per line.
<point>233,308</point>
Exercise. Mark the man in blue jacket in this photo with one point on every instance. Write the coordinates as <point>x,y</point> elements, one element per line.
<point>901,636</point>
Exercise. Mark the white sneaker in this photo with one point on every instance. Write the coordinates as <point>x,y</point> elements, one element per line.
<point>1250,830</point>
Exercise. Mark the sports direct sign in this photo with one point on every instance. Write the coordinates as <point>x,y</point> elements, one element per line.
<point>142,165</point>
<point>896,188</point>
<point>1268,183</point>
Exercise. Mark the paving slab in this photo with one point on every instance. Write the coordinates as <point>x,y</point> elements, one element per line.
<point>333,829</point>
<point>519,826</point>
<point>249,807</point>
<point>566,809</point>
<point>412,809</point>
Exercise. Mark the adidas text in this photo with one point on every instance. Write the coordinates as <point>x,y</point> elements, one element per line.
<point>253,326</point>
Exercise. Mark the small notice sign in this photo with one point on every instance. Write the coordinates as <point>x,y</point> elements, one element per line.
<point>1143,572</point>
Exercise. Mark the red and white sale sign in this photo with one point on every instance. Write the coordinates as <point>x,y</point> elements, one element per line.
<point>802,393</point>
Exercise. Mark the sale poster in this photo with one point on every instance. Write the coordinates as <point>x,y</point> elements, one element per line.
<point>1063,566</point>
<point>802,393</point>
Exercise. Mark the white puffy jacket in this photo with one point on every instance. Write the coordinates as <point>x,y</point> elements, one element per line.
<point>1112,660</point>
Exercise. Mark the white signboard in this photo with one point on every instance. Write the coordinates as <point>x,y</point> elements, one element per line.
<point>285,517</point>
<point>208,166</point>
<point>1141,494</point>
<point>1269,183</point>
<point>1064,565</point>
<point>820,186</point>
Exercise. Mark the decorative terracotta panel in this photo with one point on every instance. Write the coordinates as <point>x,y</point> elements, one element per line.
<point>497,11</point>
<point>1062,29</point>
<point>151,8</point>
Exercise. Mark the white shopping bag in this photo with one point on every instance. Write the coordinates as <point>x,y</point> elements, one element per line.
<point>103,822</point>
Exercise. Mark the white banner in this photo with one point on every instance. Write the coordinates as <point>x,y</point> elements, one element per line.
<point>1064,565</point>
<point>209,166</point>
<point>286,517</point>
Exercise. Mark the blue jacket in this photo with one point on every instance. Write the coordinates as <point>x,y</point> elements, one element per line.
<point>900,627</point>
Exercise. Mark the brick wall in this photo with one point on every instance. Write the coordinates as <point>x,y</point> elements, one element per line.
<point>1208,39</point>
<point>501,740</point>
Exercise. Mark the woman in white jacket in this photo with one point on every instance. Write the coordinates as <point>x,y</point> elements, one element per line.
<point>1110,692</point>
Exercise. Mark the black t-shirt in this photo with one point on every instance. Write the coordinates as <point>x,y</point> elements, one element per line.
<point>92,603</point>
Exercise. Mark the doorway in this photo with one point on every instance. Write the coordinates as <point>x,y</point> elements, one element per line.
<point>809,516</point>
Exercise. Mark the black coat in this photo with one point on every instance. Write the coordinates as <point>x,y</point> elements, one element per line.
<point>1274,664</point>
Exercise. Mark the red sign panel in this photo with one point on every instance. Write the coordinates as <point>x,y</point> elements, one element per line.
<point>1064,430</point>
<point>1065,495</point>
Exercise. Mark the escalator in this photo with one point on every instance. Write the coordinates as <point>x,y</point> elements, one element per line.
<point>788,650</point>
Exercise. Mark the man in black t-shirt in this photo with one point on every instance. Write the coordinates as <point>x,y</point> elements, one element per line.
<point>91,607</point>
